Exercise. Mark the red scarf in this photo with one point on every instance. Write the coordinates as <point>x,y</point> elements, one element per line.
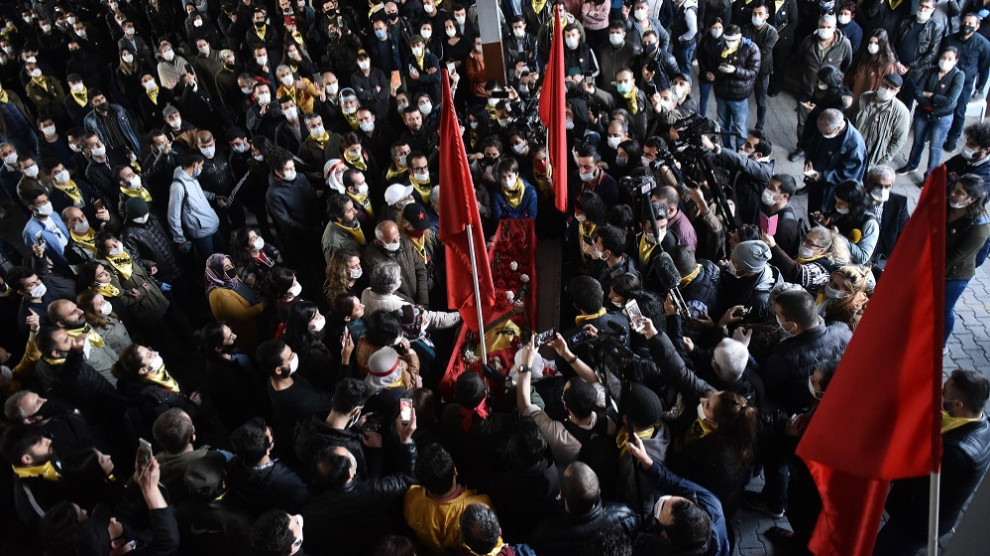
<point>467,414</point>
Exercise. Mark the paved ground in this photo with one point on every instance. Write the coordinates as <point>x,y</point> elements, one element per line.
<point>969,346</point>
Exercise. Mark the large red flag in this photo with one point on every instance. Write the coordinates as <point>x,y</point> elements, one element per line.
<point>879,419</point>
<point>552,102</point>
<point>458,208</point>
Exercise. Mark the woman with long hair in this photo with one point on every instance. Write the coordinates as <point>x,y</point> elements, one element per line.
<point>871,63</point>
<point>853,217</point>
<point>306,333</point>
<point>233,301</point>
<point>844,297</point>
<point>253,257</point>
<point>98,312</point>
<point>145,383</point>
<point>344,274</point>
<point>968,229</point>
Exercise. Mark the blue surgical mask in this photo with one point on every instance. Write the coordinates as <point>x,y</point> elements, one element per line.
<point>380,34</point>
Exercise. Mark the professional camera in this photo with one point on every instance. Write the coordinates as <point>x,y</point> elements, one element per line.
<point>639,184</point>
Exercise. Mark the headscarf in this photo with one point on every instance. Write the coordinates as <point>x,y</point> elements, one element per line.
<point>329,171</point>
<point>215,277</point>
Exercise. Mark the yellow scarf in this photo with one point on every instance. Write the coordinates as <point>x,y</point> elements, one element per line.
<point>581,319</point>
<point>142,193</point>
<point>803,260</point>
<point>423,189</point>
<point>894,4</point>
<point>949,422</point>
<point>356,161</point>
<point>514,196</point>
<point>690,277</point>
<point>498,545</point>
<point>72,190</point>
<point>87,240</point>
<point>153,95</point>
<point>726,51</point>
<point>297,36</point>
<point>394,171</point>
<point>631,100</point>
<point>163,379</point>
<point>94,337</point>
<point>421,59</point>
<point>41,82</point>
<point>352,121</point>
<point>54,360</point>
<point>3,96</point>
<point>698,430</point>
<point>260,31</point>
<point>122,264</point>
<point>420,245</point>
<point>46,472</point>
<point>645,250</point>
<point>363,201</point>
<point>356,232</point>
<point>321,140</point>
<point>623,435</point>
<point>82,97</point>
<point>587,228</point>
<point>106,290</point>
<point>538,5</point>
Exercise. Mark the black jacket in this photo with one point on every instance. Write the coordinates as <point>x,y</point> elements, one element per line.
<point>258,490</point>
<point>352,520</point>
<point>785,373</point>
<point>313,434</point>
<point>152,399</point>
<point>739,84</point>
<point>893,220</point>
<point>565,534</point>
<point>965,456</point>
<point>703,287</point>
<point>149,241</point>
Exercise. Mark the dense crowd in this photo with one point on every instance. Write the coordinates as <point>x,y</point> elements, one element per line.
<point>223,308</point>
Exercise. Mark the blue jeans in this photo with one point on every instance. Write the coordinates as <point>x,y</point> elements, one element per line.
<point>933,131</point>
<point>704,93</point>
<point>205,246</point>
<point>762,84</point>
<point>953,291</point>
<point>733,115</point>
<point>684,57</point>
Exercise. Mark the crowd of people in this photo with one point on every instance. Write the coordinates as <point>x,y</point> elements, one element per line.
<point>219,242</point>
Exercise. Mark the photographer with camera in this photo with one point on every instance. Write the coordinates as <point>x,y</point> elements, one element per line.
<point>750,169</point>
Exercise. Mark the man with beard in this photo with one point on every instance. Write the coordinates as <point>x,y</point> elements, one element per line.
<point>38,484</point>
<point>53,417</point>
<point>99,354</point>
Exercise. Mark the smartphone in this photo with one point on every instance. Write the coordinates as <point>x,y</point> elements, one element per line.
<point>544,338</point>
<point>587,239</point>
<point>98,204</point>
<point>144,451</point>
<point>451,68</point>
<point>744,312</point>
<point>768,224</point>
<point>635,315</point>
<point>405,409</point>
<point>589,79</point>
<point>580,337</point>
<point>38,238</point>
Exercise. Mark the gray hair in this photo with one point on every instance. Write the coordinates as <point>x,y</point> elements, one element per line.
<point>385,277</point>
<point>831,117</point>
<point>282,67</point>
<point>731,356</point>
<point>881,172</point>
<point>12,407</point>
<point>827,18</point>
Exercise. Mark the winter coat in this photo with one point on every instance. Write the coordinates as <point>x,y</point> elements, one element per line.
<point>810,59</point>
<point>785,373</point>
<point>150,242</point>
<point>884,126</point>
<point>739,84</point>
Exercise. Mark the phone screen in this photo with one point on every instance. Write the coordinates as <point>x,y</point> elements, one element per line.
<point>144,451</point>
<point>635,315</point>
<point>405,410</point>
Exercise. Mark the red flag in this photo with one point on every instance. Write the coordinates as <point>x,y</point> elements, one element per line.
<point>554,118</point>
<point>458,208</point>
<point>880,417</point>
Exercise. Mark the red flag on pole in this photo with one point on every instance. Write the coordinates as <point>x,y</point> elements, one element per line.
<point>458,209</point>
<point>880,417</point>
<point>552,103</point>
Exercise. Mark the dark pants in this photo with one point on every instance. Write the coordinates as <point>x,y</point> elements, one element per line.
<point>762,85</point>
<point>959,116</point>
<point>953,291</point>
<point>897,540</point>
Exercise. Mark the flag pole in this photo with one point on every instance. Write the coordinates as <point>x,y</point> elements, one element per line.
<point>477,295</point>
<point>933,492</point>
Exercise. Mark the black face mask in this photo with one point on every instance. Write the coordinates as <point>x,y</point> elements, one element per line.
<point>231,274</point>
<point>53,408</point>
<point>259,24</point>
<point>102,108</point>
<point>967,30</point>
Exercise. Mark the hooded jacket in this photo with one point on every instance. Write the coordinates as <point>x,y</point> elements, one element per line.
<point>189,208</point>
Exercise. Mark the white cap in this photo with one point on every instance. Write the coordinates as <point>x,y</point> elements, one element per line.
<point>396,192</point>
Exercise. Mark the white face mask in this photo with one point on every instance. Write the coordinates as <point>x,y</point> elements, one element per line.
<point>426,108</point>
<point>427,34</point>
<point>38,291</point>
<point>841,210</point>
<point>141,219</point>
<point>873,48</point>
<point>36,73</point>
<point>262,60</point>
<point>946,65</point>
<point>617,39</point>
<point>587,176</point>
<point>367,127</point>
<point>355,273</point>
<point>922,17</point>
<point>240,148</point>
<point>884,94</point>
<point>805,252</point>
<point>264,99</point>
<point>98,151</point>
<point>31,171</point>
<point>134,182</point>
<point>881,194</point>
<point>519,148</point>
<point>106,308</point>
<point>10,159</point>
<point>295,289</point>
<point>422,176</point>
<point>116,251</point>
<point>519,33</point>
<point>175,123</point>
<point>293,364</point>
<point>451,33</point>
<point>701,412</point>
<point>580,217</point>
<point>48,130</point>
<point>258,244</point>
<point>287,80</point>
<point>364,64</point>
<point>614,141</point>
<point>716,33</point>
<point>318,322</point>
<point>289,175</point>
<point>826,34</point>
<point>61,177</point>
<point>169,55</point>
<point>769,197</point>
<point>317,131</point>
<point>758,21</point>
<point>45,209</point>
<point>958,206</point>
<point>204,50</point>
<point>332,89</point>
<point>814,393</point>
<point>417,51</point>
<point>81,227</point>
<point>198,23</point>
<point>844,19</point>
<point>291,113</point>
<point>127,58</point>
<point>572,42</point>
<point>640,15</point>
<point>393,247</point>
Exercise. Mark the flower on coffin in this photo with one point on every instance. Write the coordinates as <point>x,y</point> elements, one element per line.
<point>524,278</point>
<point>470,357</point>
<point>510,295</point>
<point>514,265</point>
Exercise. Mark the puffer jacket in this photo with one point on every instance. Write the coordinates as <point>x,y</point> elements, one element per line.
<point>785,373</point>
<point>272,486</point>
<point>150,242</point>
<point>704,286</point>
<point>565,533</point>
<point>739,84</point>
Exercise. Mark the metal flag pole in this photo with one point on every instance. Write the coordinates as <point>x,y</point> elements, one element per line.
<point>477,294</point>
<point>933,491</point>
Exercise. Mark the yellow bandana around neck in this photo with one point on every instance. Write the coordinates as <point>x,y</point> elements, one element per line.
<point>394,171</point>
<point>698,430</point>
<point>538,5</point>
<point>422,189</point>
<point>72,190</point>
<point>41,81</point>
<point>106,290</point>
<point>163,379</point>
<point>356,161</point>
<point>141,192</point>
<point>153,95</point>
<point>623,435</point>
<point>492,552</point>
<point>322,140</point>
<point>645,250</point>
<point>690,277</point>
<point>950,423</point>
<point>123,264</point>
<point>46,472</point>
<point>260,31</point>
<point>587,228</point>
<point>420,245</point>
<point>82,97</point>
<point>515,195</point>
<point>894,4</point>
<point>3,97</point>
<point>580,320</point>
<point>87,240</point>
<point>363,201</point>
<point>420,59</point>
<point>726,51</point>
<point>352,121</point>
<point>806,260</point>
<point>631,100</point>
<point>94,337</point>
<point>356,232</point>
<point>297,36</point>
